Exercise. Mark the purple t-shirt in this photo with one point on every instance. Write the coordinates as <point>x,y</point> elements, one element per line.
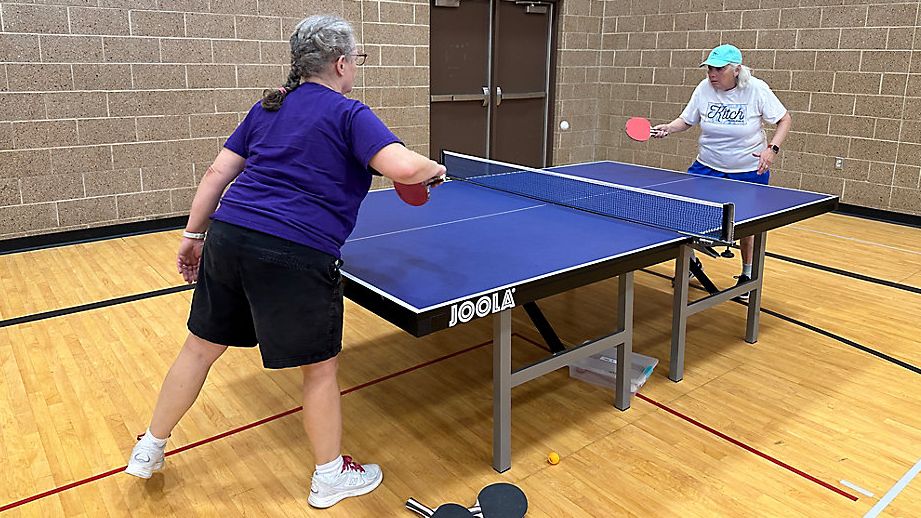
<point>306,167</point>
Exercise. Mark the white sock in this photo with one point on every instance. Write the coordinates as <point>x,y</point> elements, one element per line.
<point>149,437</point>
<point>330,469</point>
<point>747,270</point>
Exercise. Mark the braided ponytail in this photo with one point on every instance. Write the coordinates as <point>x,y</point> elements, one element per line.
<point>272,99</point>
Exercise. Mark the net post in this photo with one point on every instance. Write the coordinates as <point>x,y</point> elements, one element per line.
<point>729,216</point>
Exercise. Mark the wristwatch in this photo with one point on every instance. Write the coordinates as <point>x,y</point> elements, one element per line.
<point>775,149</point>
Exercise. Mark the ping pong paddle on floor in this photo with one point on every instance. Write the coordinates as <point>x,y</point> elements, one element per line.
<point>639,129</point>
<point>416,194</point>
<point>500,500</point>
<point>443,510</point>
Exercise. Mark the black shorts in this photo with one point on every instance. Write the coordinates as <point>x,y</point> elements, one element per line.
<point>257,288</point>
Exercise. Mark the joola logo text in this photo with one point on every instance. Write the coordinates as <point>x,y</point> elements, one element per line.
<point>466,310</point>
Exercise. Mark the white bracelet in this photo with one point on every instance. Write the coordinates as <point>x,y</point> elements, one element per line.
<point>193,235</point>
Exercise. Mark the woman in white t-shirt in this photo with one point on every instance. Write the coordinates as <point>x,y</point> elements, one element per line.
<point>731,105</point>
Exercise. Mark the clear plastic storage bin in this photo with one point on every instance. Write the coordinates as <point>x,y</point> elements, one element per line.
<point>601,369</point>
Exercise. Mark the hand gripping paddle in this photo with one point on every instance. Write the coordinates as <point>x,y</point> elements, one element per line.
<point>416,194</point>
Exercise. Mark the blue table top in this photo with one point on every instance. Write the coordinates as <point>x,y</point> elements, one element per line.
<point>469,241</point>
<point>752,201</point>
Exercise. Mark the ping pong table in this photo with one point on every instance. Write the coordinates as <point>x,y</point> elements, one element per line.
<point>474,251</point>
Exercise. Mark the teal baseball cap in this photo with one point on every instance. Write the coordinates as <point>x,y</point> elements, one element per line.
<point>723,55</point>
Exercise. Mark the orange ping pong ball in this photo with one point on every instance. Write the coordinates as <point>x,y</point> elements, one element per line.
<point>553,458</point>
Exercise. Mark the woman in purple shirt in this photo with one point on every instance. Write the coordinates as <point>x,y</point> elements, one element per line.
<point>301,163</point>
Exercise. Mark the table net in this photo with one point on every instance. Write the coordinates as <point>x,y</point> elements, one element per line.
<point>703,219</point>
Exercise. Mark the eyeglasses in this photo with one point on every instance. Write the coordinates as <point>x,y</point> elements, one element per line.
<point>360,58</point>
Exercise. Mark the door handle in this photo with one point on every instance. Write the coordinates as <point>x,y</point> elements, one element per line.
<point>498,95</point>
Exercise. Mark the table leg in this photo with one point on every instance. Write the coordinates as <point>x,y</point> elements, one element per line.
<point>502,391</point>
<point>679,314</point>
<point>625,350</point>
<point>754,297</point>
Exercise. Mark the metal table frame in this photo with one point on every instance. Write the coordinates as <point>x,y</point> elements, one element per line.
<point>505,378</point>
<point>682,309</point>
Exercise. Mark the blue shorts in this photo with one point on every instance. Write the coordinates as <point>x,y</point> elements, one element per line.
<point>750,177</point>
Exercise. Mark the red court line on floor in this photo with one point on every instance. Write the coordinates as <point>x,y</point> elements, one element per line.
<point>748,448</point>
<point>725,437</point>
<point>228,433</point>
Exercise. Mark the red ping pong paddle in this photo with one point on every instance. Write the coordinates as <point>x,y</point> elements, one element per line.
<point>416,194</point>
<point>639,129</point>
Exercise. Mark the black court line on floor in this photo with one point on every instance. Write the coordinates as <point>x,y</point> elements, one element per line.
<point>93,305</point>
<point>810,327</point>
<point>846,273</point>
<point>844,340</point>
<point>840,271</point>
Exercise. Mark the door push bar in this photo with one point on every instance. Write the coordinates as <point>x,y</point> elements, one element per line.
<point>523,95</point>
<point>484,97</point>
<point>444,98</point>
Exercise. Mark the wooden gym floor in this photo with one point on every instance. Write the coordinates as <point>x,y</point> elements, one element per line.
<point>822,411</point>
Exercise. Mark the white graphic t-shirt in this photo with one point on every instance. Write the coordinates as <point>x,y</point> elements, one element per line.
<point>731,123</point>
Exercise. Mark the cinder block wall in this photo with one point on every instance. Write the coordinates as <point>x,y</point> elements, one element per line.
<point>849,74</point>
<point>111,110</point>
<point>582,82</point>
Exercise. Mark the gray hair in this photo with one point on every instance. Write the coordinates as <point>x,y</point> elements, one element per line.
<point>319,40</point>
<point>316,42</point>
<point>745,75</point>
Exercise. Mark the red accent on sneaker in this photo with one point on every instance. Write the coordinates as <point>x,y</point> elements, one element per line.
<point>350,465</point>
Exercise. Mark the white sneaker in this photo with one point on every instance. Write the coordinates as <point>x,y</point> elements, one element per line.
<point>146,458</point>
<point>353,480</point>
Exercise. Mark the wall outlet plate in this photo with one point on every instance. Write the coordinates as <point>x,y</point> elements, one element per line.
<point>839,162</point>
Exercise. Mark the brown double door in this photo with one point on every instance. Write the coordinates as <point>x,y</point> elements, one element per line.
<point>490,79</point>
